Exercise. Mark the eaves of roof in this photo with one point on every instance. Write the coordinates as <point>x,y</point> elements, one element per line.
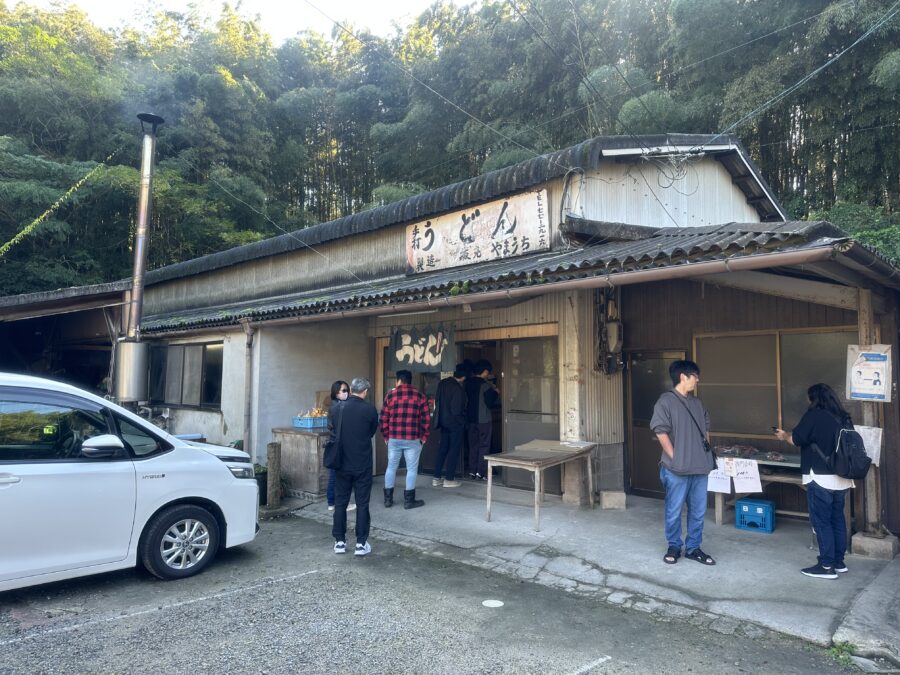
<point>492,185</point>
<point>666,247</point>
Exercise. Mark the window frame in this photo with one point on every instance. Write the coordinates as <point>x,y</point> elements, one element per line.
<point>776,333</point>
<point>182,347</point>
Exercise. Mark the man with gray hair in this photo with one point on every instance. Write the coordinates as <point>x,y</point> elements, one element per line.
<point>356,422</point>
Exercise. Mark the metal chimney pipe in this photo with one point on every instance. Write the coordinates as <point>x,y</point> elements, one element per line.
<point>135,309</point>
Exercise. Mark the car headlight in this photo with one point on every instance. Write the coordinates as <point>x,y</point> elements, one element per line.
<point>241,471</point>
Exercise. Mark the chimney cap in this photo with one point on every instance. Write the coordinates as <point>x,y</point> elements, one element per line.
<point>150,118</point>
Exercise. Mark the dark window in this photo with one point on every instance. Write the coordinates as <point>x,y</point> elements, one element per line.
<point>187,375</point>
<point>141,442</point>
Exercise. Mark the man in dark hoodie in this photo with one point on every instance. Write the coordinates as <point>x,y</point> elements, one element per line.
<point>681,424</point>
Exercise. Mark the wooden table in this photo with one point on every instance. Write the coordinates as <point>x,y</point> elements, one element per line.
<point>535,456</point>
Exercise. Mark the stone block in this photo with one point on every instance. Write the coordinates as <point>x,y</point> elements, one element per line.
<point>881,548</point>
<point>612,499</point>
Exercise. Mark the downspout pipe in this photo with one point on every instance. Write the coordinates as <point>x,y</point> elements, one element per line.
<point>249,331</point>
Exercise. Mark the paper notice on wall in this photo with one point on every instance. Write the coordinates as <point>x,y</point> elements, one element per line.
<point>872,438</point>
<point>746,476</point>
<point>719,481</point>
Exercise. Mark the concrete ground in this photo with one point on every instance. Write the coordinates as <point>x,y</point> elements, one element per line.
<point>287,604</point>
<point>616,556</point>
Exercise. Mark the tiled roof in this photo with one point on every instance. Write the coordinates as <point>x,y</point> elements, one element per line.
<point>665,247</point>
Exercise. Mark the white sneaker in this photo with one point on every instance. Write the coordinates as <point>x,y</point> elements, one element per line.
<point>340,547</point>
<point>452,484</point>
<point>331,507</point>
<point>437,482</point>
<point>351,507</point>
<point>363,549</point>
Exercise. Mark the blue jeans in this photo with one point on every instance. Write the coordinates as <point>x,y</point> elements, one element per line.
<point>826,514</point>
<point>681,490</point>
<point>410,451</point>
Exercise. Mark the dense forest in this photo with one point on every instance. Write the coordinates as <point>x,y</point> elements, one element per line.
<point>260,138</point>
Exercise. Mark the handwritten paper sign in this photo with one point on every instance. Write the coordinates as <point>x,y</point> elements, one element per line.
<point>719,481</point>
<point>500,229</point>
<point>746,476</point>
<point>872,439</point>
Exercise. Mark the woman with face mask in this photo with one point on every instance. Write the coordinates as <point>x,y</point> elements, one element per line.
<point>340,390</point>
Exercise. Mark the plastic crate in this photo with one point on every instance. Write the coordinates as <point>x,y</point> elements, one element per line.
<point>310,422</point>
<point>754,515</point>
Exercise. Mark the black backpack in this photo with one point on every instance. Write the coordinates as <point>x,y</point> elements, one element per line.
<point>849,459</point>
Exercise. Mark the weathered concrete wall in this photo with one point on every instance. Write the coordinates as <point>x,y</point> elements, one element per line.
<point>296,361</point>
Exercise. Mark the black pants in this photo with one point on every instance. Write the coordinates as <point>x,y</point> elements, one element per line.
<point>451,440</point>
<point>479,446</point>
<point>360,483</point>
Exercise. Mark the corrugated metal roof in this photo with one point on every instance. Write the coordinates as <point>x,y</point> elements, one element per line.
<point>663,248</point>
<point>521,176</point>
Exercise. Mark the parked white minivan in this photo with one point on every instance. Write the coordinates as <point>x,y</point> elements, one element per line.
<point>88,487</point>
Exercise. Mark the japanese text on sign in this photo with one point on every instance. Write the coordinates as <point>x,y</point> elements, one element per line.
<point>501,229</point>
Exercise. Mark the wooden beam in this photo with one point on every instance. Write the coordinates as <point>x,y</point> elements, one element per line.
<point>818,292</point>
<point>866,327</point>
<point>844,275</point>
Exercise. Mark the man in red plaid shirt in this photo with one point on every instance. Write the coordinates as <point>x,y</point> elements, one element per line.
<point>405,423</point>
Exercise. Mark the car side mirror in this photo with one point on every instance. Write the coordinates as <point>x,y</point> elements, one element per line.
<point>102,447</point>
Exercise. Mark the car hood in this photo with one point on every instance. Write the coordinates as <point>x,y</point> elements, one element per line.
<point>221,451</point>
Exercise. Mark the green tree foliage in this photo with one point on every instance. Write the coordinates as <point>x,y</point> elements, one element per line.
<point>262,138</point>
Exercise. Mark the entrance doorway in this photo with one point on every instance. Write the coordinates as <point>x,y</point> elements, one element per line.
<point>648,377</point>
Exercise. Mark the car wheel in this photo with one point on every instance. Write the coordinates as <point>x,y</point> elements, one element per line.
<point>180,542</point>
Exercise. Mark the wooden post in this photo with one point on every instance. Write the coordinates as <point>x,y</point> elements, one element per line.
<point>273,482</point>
<point>872,489</point>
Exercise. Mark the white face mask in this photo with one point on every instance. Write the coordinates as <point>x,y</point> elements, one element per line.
<point>342,395</point>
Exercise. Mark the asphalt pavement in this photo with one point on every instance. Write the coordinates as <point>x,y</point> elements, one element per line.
<point>287,604</point>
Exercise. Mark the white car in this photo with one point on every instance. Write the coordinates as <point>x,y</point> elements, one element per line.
<point>88,487</point>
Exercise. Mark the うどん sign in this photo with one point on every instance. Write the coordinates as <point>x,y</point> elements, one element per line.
<point>500,229</point>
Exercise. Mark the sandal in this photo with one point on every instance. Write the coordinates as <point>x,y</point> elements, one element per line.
<point>700,557</point>
<point>672,555</point>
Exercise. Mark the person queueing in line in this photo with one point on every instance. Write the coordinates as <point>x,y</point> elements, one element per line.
<point>826,492</point>
<point>405,424</point>
<point>340,390</point>
<point>450,419</point>
<point>356,425</point>
<point>482,397</point>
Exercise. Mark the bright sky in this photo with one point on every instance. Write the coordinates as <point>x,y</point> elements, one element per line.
<point>282,19</point>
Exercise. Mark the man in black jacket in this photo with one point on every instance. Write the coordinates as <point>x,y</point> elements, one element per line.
<point>450,418</point>
<point>357,422</point>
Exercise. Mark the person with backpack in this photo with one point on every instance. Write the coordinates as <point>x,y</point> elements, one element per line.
<point>818,435</point>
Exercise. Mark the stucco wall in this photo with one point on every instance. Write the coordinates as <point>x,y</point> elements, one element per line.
<point>296,361</point>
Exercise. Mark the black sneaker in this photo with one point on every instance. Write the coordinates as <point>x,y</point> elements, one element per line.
<point>840,568</point>
<point>820,572</point>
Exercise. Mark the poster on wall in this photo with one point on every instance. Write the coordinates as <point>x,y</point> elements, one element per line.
<point>423,349</point>
<point>505,228</point>
<point>869,373</point>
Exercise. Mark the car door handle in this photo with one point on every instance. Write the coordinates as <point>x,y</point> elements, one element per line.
<point>9,480</point>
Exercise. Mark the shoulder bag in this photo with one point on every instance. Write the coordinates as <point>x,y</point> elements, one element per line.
<point>331,456</point>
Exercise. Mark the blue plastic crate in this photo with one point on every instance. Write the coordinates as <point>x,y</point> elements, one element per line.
<point>310,422</point>
<point>754,515</point>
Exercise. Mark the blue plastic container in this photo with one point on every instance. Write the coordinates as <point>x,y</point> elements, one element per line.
<point>754,515</point>
<point>310,422</point>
